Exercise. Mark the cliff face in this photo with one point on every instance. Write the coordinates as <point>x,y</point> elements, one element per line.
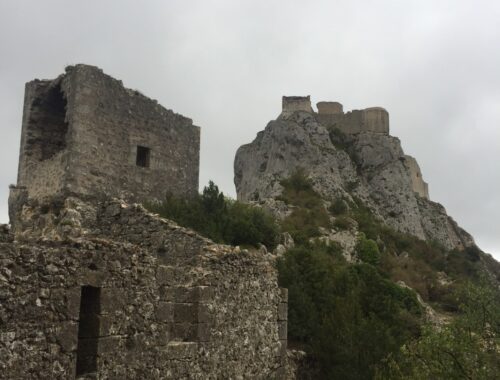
<point>368,164</point>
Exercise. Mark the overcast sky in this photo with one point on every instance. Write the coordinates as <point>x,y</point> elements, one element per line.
<point>433,64</point>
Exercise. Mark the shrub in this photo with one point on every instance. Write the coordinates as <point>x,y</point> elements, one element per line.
<point>338,139</point>
<point>347,316</point>
<point>338,207</point>
<point>220,219</point>
<point>367,250</point>
<point>309,213</point>
<point>467,348</point>
<point>342,223</point>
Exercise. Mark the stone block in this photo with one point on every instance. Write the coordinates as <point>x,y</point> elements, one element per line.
<point>204,313</point>
<point>167,293</point>
<point>282,311</point>
<point>110,344</point>
<point>283,330</point>
<point>92,277</point>
<point>184,331</point>
<point>281,347</point>
<point>181,350</point>
<point>165,275</point>
<point>113,300</point>
<point>206,294</point>
<point>107,325</point>
<point>67,336</point>
<point>185,294</point>
<point>185,312</point>
<point>204,331</point>
<point>165,312</point>
<point>284,294</point>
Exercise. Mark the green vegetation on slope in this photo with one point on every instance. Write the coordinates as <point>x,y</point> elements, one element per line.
<point>349,317</point>
<point>353,319</point>
<point>308,214</point>
<point>467,348</point>
<point>221,219</point>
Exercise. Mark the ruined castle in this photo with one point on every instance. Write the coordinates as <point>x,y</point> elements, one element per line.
<point>346,155</point>
<point>84,133</point>
<point>95,287</point>
<point>371,120</point>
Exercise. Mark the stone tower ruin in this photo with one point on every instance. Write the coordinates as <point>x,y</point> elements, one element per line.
<point>100,288</point>
<point>84,133</point>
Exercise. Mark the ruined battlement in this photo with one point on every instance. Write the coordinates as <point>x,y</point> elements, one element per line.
<point>329,108</point>
<point>84,133</point>
<point>296,103</point>
<point>331,114</point>
<point>374,119</point>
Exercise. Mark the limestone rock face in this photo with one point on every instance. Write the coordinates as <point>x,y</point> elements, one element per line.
<point>368,165</point>
<point>287,144</point>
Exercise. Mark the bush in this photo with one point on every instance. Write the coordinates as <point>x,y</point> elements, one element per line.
<point>467,348</point>
<point>347,316</point>
<point>309,213</point>
<point>220,219</point>
<point>342,223</point>
<point>338,207</point>
<point>367,250</point>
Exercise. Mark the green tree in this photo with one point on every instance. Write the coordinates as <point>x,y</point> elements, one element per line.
<point>367,250</point>
<point>467,348</point>
<point>221,219</point>
<point>347,316</point>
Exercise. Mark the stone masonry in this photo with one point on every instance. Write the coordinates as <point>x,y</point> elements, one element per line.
<point>107,290</point>
<point>331,115</point>
<point>84,133</point>
<point>95,287</point>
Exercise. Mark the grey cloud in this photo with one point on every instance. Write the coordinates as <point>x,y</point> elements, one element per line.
<point>226,64</point>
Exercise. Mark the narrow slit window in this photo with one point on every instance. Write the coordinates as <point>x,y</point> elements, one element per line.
<point>88,330</point>
<point>143,156</point>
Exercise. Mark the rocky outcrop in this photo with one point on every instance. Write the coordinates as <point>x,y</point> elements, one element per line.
<point>368,165</point>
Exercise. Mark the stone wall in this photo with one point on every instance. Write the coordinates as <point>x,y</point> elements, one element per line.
<point>419,185</point>
<point>375,120</point>
<point>44,156</point>
<point>84,133</point>
<point>115,290</point>
<point>331,115</point>
<point>329,108</point>
<point>296,103</point>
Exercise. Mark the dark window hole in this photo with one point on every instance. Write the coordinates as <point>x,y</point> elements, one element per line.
<point>143,156</point>
<point>88,330</point>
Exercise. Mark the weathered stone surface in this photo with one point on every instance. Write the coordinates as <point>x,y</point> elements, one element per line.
<point>215,312</point>
<point>366,163</point>
<point>84,133</point>
<point>94,287</point>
